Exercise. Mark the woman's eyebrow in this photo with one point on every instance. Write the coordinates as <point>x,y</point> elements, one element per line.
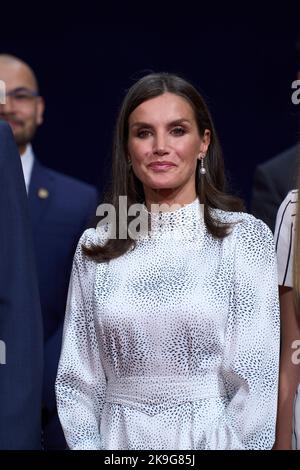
<point>176,122</point>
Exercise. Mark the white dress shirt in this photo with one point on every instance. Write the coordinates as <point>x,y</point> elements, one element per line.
<point>27,160</point>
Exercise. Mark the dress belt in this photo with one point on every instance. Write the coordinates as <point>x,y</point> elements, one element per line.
<point>163,390</point>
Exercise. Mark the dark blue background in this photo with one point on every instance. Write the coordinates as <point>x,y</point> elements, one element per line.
<point>242,58</point>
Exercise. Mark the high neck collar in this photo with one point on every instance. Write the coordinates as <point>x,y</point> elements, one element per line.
<point>182,221</point>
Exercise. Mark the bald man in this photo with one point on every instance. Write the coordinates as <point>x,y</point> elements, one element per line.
<point>24,107</point>
<point>60,209</point>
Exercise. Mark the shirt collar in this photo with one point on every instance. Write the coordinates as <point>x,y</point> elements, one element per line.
<point>27,160</point>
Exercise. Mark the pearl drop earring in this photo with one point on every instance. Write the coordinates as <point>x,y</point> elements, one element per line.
<point>202,168</point>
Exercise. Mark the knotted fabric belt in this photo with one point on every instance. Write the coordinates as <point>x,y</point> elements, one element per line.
<point>163,390</point>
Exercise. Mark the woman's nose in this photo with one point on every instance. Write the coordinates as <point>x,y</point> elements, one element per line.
<point>160,145</point>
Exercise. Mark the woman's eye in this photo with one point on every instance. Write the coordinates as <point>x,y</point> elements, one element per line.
<point>178,131</point>
<point>143,133</point>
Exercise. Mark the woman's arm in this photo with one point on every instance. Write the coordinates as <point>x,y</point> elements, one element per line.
<point>251,348</point>
<point>81,382</point>
<point>289,370</point>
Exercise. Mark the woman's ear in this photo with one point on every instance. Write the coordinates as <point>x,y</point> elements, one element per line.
<point>205,141</point>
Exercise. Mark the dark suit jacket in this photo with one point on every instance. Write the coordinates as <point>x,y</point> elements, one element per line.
<point>272,181</point>
<point>61,208</point>
<point>20,316</point>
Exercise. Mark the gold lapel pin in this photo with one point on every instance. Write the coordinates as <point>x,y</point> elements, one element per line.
<point>43,193</point>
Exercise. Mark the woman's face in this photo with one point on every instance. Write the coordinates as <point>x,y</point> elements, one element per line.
<point>164,144</point>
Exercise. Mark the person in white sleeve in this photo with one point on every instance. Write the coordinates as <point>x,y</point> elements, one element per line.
<point>288,248</point>
<point>171,336</point>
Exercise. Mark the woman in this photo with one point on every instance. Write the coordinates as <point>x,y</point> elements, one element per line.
<point>171,335</point>
<point>287,237</point>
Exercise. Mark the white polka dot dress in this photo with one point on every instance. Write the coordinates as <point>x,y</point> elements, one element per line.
<point>174,345</point>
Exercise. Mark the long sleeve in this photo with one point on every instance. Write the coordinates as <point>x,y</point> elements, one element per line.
<point>81,383</point>
<point>252,339</point>
<point>52,346</point>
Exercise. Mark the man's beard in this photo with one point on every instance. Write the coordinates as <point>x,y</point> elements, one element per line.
<point>24,136</point>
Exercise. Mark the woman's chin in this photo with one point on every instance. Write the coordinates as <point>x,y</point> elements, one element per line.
<point>161,187</point>
<point>161,183</point>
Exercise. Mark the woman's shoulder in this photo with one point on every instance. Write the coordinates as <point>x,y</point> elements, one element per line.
<point>250,241</point>
<point>285,239</point>
<point>95,236</point>
<point>90,238</point>
<point>244,225</point>
<point>292,196</point>
<point>287,209</point>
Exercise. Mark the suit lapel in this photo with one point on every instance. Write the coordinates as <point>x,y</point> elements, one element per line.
<point>39,194</point>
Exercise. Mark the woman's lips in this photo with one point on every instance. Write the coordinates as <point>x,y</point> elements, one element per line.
<point>161,166</point>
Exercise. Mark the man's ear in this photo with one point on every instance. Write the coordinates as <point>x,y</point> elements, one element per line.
<point>40,110</point>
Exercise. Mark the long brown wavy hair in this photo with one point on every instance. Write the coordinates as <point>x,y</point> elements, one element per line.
<point>210,188</point>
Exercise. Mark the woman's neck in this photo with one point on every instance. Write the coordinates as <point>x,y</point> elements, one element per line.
<point>168,198</point>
